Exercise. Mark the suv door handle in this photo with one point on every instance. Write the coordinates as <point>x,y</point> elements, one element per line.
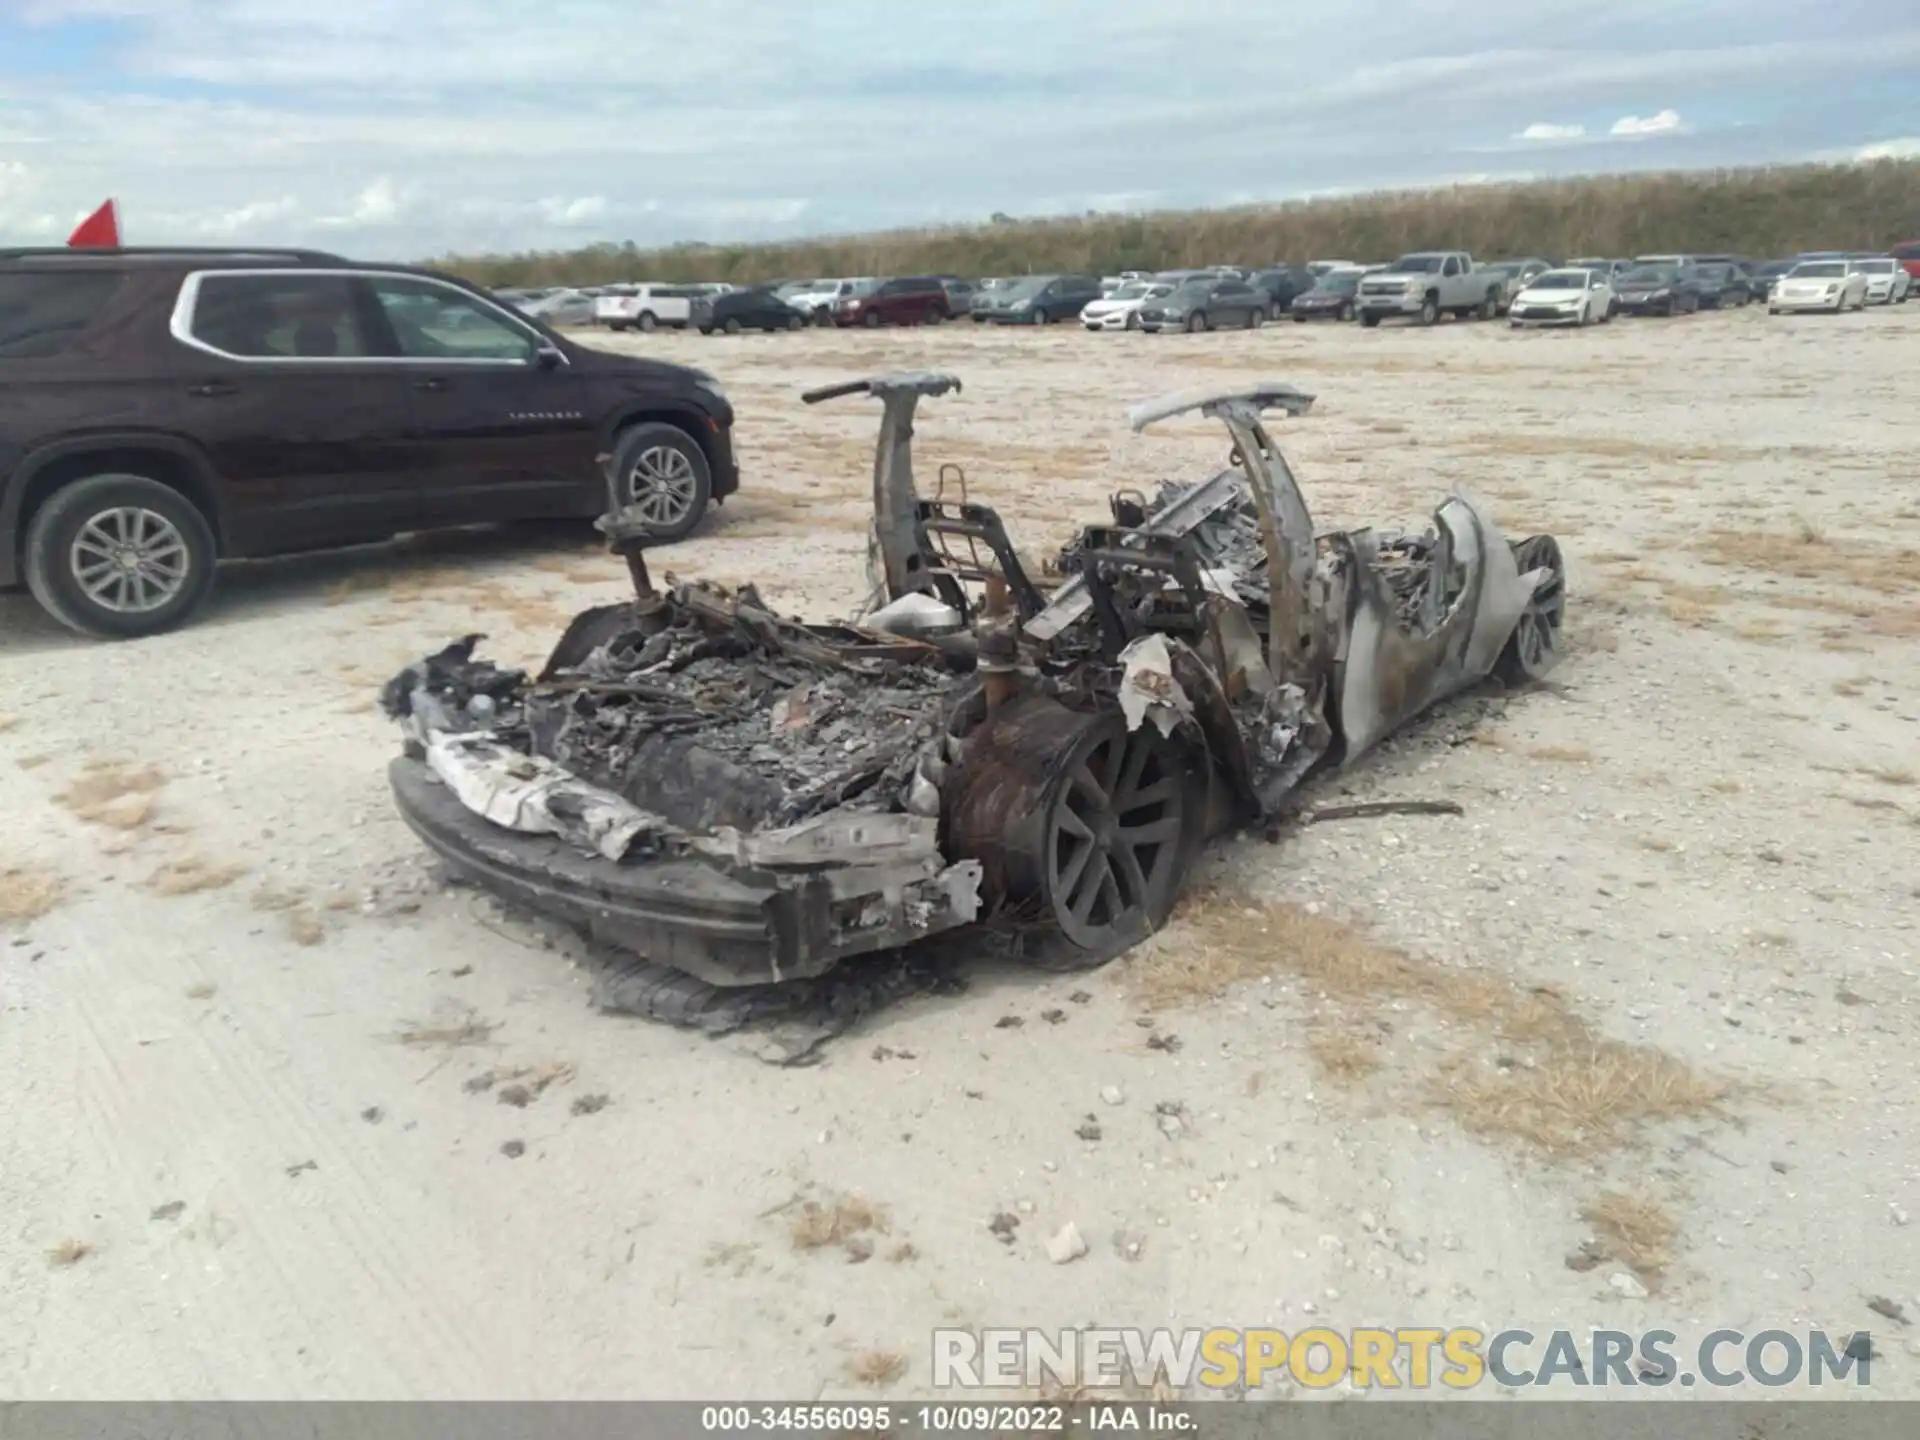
<point>214,387</point>
<point>432,382</point>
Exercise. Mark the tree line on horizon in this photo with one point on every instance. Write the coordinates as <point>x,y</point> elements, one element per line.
<point>1761,212</point>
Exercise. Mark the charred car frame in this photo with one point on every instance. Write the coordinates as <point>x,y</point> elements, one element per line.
<point>750,799</point>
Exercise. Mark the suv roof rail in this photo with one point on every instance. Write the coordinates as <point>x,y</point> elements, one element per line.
<point>232,252</point>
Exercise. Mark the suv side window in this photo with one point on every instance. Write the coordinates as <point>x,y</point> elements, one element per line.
<point>278,316</point>
<point>432,321</point>
<point>41,314</point>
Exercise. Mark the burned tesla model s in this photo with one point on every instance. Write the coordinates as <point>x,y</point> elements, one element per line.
<point>749,798</point>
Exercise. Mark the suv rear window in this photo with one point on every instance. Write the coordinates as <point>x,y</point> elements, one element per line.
<point>280,317</point>
<point>41,314</point>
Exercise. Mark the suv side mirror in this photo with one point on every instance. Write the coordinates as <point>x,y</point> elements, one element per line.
<point>549,357</point>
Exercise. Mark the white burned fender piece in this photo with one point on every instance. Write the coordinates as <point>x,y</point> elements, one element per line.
<point>528,793</point>
<point>1148,689</point>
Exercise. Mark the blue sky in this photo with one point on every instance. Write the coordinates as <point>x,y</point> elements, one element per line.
<point>395,129</point>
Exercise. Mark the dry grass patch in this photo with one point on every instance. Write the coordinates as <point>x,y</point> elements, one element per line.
<point>1573,1095</point>
<point>1562,754</point>
<point>192,874</point>
<point>1805,553</point>
<point>9,722</point>
<point>113,793</point>
<point>1347,1055</point>
<point>1659,844</point>
<point>70,1252</point>
<point>28,892</point>
<point>302,922</point>
<point>819,1224</point>
<point>1529,1070</point>
<point>877,1368</point>
<point>469,1030</point>
<point>1636,1231</point>
<point>304,927</point>
<point>1887,774</point>
<point>1614,447</point>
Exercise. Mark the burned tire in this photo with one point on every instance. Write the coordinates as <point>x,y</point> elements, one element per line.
<point>119,556</point>
<point>1113,832</point>
<point>665,473</point>
<point>1534,647</point>
<point>1084,829</point>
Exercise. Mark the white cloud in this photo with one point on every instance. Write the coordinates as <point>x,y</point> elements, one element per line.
<point>1546,130</point>
<point>376,207</point>
<point>1907,147</point>
<point>255,218</point>
<point>570,214</point>
<point>1667,122</point>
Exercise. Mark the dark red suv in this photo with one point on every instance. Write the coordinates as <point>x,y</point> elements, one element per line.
<point>913,300</point>
<point>164,409</point>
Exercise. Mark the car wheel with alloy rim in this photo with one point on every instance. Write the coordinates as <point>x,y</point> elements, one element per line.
<point>119,556</point>
<point>664,475</point>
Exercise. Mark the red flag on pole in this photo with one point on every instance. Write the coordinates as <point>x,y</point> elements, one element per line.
<point>99,231</point>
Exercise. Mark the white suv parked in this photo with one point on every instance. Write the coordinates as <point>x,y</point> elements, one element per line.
<point>647,307</point>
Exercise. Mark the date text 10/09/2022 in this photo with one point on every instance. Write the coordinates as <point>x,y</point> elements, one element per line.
<point>941,1419</point>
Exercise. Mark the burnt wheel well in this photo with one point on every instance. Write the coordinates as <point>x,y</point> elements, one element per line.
<point>168,467</point>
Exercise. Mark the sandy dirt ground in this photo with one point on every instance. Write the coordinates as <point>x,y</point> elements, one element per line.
<point>1631,1042</point>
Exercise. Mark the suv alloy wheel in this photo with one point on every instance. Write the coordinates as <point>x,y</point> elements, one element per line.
<point>119,556</point>
<point>664,472</point>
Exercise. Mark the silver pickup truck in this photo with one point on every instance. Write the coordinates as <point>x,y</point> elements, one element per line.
<point>1427,283</point>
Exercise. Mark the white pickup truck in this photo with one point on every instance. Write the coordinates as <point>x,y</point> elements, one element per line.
<point>1427,283</point>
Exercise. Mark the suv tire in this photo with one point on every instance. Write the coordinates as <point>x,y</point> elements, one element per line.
<point>871,319</point>
<point>156,523</point>
<point>663,469</point>
<point>647,323</point>
<point>1196,322</point>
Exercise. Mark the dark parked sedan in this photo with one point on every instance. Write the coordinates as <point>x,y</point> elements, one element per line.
<point>1658,290</point>
<point>739,310</point>
<point>1206,304</point>
<point>1331,298</point>
<point>1723,285</point>
<point>1765,275</point>
<point>1282,285</point>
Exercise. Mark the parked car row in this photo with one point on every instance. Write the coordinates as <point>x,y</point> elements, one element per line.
<point>1422,287</point>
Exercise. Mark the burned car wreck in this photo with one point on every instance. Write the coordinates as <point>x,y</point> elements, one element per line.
<point>750,799</point>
